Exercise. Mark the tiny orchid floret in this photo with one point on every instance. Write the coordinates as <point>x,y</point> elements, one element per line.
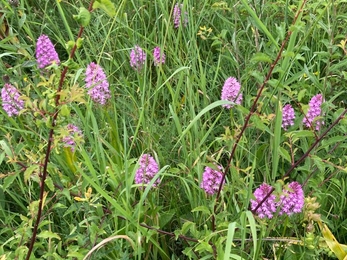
<point>177,16</point>
<point>211,180</point>
<point>159,56</point>
<point>288,116</point>
<point>97,84</point>
<point>148,168</point>
<point>69,141</point>
<point>11,101</point>
<point>231,92</point>
<point>45,52</point>
<point>137,58</point>
<point>313,112</point>
<point>292,199</point>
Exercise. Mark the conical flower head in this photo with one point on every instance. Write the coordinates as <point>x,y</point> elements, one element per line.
<point>288,116</point>
<point>211,179</point>
<point>137,58</point>
<point>148,168</point>
<point>231,92</point>
<point>292,199</point>
<point>269,207</point>
<point>159,56</point>
<point>177,16</point>
<point>97,84</point>
<point>313,112</point>
<point>45,52</point>
<point>10,100</point>
<point>69,140</point>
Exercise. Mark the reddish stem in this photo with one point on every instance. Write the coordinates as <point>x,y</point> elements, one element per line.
<point>50,141</point>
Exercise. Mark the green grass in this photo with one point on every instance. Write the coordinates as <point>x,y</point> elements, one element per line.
<point>174,113</point>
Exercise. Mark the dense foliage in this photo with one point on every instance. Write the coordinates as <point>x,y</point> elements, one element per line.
<point>173,130</point>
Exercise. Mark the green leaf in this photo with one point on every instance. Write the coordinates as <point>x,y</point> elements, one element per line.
<point>83,17</point>
<point>299,134</point>
<point>186,226</point>
<point>284,153</point>
<point>48,234</point>
<point>230,237</point>
<point>258,23</point>
<point>203,209</point>
<point>204,246</point>
<point>105,5</point>
<point>29,171</point>
<point>261,57</point>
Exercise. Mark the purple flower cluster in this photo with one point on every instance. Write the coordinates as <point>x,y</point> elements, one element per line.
<point>147,170</point>
<point>137,58</point>
<point>10,100</point>
<point>97,84</point>
<point>290,201</point>
<point>288,116</point>
<point>159,56</point>
<point>268,208</point>
<point>211,180</point>
<point>177,16</point>
<point>70,139</point>
<point>313,112</point>
<point>45,52</point>
<point>231,92</point>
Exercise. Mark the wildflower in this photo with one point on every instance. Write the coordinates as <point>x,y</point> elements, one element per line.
<point>45,52</point>
<point>288,116</point>
<point>292,199</point>
<point>147,170</point>
<point>74,132</point>
<point>269,206</point>
<point>211,180</point>
<point>137,58</point>
<point>231,92</point>
<point>10,100</point>
<point>97,84</point>
<point>159,56</point>
<point>313,112</point>
<point>177,16</point>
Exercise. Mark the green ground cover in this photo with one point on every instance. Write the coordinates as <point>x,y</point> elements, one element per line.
<point>72,193</point>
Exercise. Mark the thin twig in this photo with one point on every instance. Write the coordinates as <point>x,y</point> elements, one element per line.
<point>253,109</point>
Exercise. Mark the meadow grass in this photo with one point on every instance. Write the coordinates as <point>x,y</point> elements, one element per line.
<point>281,52</point>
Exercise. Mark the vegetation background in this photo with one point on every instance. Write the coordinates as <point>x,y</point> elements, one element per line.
<point>174,112</point>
